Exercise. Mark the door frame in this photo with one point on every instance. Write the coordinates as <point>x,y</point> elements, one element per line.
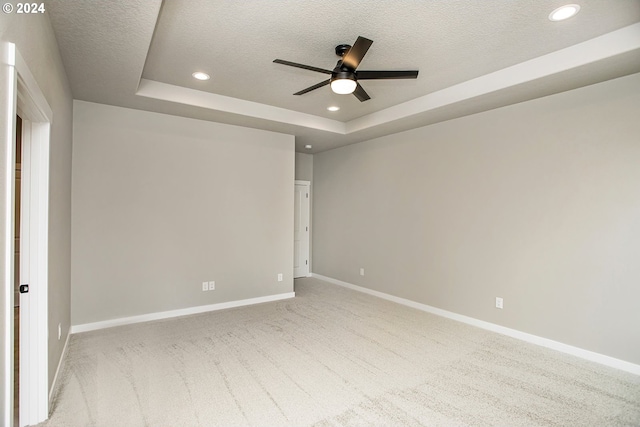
<point>308,252</point>
<point>24,98</point>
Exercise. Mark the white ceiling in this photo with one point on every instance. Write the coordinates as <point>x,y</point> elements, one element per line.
<point>472,56</point>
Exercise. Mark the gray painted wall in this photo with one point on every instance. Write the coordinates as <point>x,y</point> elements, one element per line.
<point>538,203</point>
<point>304,166</point>
<point>163,203</point>
<point>36,42</point>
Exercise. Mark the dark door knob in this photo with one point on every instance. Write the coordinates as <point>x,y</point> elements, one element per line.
<point>24,289</point>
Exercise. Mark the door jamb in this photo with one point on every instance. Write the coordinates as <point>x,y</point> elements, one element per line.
<point>24,97</point>
<point>308,185</point>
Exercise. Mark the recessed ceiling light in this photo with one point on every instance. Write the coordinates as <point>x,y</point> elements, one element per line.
<point>333,108</point>
<point>201,76</point>
<point>308,146</point>
<point>564,12</point>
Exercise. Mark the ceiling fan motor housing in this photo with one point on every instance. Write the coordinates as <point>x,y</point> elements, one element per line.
<point>342,73</point>
<point>341,49</point>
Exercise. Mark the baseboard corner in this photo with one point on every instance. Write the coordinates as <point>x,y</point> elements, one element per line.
<point>63,355</point>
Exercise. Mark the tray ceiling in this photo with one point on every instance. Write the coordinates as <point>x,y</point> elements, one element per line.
<point>472,56</point>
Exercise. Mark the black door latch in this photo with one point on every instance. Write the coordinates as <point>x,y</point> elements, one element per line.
<point>24,289</point>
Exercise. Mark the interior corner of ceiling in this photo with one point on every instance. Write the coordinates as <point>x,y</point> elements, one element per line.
<point>141,86</point>
<point>153,34</point>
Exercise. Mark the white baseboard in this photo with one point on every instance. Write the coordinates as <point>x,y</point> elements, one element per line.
<point>86,327</point>
<point>62,356</point>
<point>534,339</point>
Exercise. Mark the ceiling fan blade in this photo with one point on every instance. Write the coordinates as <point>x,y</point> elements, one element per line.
<point>352,58</point>
<point>314,87</point>
<point>361,94</point>
<point>373,75</point>
<point>305,67</point>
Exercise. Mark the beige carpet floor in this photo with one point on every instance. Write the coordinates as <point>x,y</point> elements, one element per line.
<point>330,357</point>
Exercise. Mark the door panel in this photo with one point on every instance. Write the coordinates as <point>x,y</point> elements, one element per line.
<point>301,231</point>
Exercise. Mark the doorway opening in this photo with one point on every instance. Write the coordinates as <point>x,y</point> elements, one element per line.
<point>34,251</point>
<point>25,99</point>
<point>301,267</point>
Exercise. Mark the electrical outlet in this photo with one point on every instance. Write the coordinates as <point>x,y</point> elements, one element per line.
<point>212,286</point>
<point>205,286</point>
<point>59,331</point>
<point>499,302</point>
<point>280,277</point>
<point>362,271</point>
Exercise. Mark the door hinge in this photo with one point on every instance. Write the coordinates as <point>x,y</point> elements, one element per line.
<point>306,228</point>
<point>24,289</point>
<point>306,262</point>
<point>307,195</point>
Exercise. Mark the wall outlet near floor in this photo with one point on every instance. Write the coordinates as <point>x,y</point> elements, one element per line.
<point>499,302</point>
<point>59,331</point>
<point>362,271</point>
<point>205,286</point>
<point>280,279</point>
<point>212,286</point>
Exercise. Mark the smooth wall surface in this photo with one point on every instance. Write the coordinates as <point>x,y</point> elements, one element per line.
<point>163,203</point>
<point>35,40</point>
<point>537,203</point>
<point>304,166</point>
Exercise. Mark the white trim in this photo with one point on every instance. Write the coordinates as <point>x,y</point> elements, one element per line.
<point>513,333</point>
<point>24,96</point>
<point>62,357</point>
<point>302,182</point>
<point>8,79</point>
<point>38,107</point>
<point>86,327</point>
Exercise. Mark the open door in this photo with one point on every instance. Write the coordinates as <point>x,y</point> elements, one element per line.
<point>34,378</point>
<point>22,96</point>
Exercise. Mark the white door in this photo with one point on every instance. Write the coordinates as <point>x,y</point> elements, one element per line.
<point>25,98</point>
<point>301,229</point>
<point>33,388</point>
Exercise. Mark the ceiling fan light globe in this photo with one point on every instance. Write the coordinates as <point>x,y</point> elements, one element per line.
<point>343,86</point>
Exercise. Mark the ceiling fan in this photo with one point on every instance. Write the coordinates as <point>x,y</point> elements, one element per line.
<point>344,77</point>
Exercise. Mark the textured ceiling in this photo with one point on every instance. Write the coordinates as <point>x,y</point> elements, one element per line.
<point>458,46</point>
